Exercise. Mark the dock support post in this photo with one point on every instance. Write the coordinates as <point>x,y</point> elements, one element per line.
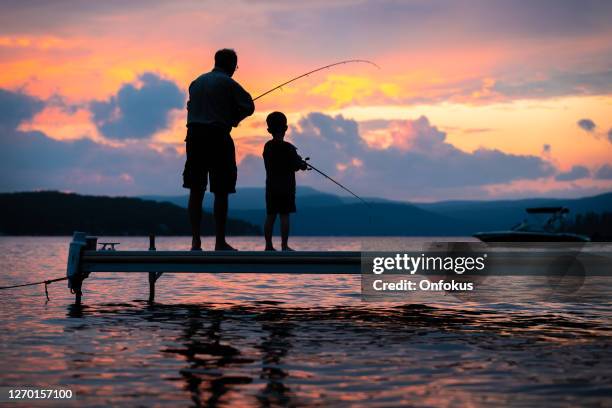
<point>78,294</point>
<point>153,276</point>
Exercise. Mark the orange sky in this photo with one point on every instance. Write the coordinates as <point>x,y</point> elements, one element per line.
<point>497,75</point>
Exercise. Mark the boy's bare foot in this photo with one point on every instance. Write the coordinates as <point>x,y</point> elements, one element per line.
<point>224,246</point>
<point>287,248</point>
<point>195,249</point>
<point>269,248</point>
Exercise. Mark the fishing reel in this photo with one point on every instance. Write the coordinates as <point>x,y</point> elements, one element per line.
<point>308,166</point>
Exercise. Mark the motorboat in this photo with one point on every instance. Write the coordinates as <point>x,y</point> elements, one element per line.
<point>543,224</point>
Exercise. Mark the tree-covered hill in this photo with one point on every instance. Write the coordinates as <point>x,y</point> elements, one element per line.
<point>56,213</point>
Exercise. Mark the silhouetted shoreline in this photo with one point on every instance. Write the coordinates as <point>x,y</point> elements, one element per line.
<point>49,213</point>
<point>54,213</point>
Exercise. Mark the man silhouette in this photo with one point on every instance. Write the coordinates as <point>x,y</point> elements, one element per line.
<point>216,104</point>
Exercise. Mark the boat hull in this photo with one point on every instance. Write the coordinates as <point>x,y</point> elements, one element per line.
<point>525,236</point>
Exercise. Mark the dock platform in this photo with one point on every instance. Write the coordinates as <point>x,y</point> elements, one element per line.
<point>84,258</point>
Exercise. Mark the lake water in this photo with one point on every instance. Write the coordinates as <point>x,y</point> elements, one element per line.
<point>287,340</point>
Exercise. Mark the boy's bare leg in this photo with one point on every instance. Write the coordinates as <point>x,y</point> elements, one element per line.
<point>196,195</point>
<point>268,229</point>
<point>285,232</point>
<point>221,203</point>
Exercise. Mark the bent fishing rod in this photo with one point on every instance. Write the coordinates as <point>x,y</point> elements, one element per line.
<point>316,70</point>
<point>310,166</point>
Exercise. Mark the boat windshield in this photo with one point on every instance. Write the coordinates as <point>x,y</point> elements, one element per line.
<point>547,221</point>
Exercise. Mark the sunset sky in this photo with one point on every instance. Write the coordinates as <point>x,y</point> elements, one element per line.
<point>474,99</point>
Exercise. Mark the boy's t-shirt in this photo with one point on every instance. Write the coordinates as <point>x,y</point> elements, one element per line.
<point>281,161</point>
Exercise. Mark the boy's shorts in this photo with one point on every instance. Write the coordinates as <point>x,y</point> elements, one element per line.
<point>280,203</point>
<point>211,154</point>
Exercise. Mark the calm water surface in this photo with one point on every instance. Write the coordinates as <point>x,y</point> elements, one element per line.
<point>282,340</point>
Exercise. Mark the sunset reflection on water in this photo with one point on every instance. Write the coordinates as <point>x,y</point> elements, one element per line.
<point>287,340</point>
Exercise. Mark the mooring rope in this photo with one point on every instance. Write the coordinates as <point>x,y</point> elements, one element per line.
<point>46,282</point>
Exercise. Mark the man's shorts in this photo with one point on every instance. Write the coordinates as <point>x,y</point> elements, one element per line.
<point>210,155</point>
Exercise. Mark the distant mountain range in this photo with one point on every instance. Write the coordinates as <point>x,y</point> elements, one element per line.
<point>55,213</point>
<point>328,214</point>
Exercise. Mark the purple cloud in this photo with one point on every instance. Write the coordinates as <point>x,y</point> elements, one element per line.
<point>138,112</point>
<point>426,164</point>
<point>604,172</point>
<point>586,124</point>
<point>575,173</point>
<point>16,107</point>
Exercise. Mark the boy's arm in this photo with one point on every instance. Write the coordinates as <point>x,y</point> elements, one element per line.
<point>300,164</point>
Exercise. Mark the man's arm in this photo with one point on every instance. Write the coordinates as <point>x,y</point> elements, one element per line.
<point>243,103</point>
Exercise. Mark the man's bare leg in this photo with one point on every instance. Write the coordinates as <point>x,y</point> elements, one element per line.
<point>268,228</point>
<point>221,204</point>
<point>284,218</point>
<point>196,196</point>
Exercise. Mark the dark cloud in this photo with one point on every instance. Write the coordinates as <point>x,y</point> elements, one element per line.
<point>546,148</point>
<point>420,162</point>
<point>586,124</point>
<point>610,135</point>
<point>575,173</point>
<point>604,172</point>
<point>387,25</point>
<point>137,112</point>
<point>17,107</point>
<point>557,84</point>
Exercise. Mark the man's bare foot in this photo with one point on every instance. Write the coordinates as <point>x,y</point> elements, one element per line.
<point>196,244</point>
<point>224,246</point>
<point>287,248</point>
<point>269,248</point>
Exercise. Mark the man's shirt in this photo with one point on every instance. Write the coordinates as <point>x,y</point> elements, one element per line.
<point>215,98</point>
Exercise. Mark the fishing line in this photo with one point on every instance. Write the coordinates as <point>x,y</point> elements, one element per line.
<point>361,61</point>
<point>310,166</point>
<point>335,182</point>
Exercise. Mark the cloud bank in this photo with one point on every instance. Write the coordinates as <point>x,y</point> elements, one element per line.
<point>413,160</point>
<point>419,162</point>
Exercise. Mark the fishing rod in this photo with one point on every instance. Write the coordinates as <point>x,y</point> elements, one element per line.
<point>313,71</point>
<point>335,182</point>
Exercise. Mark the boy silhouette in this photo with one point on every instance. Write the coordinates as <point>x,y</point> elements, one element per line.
<point>281,161</point>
